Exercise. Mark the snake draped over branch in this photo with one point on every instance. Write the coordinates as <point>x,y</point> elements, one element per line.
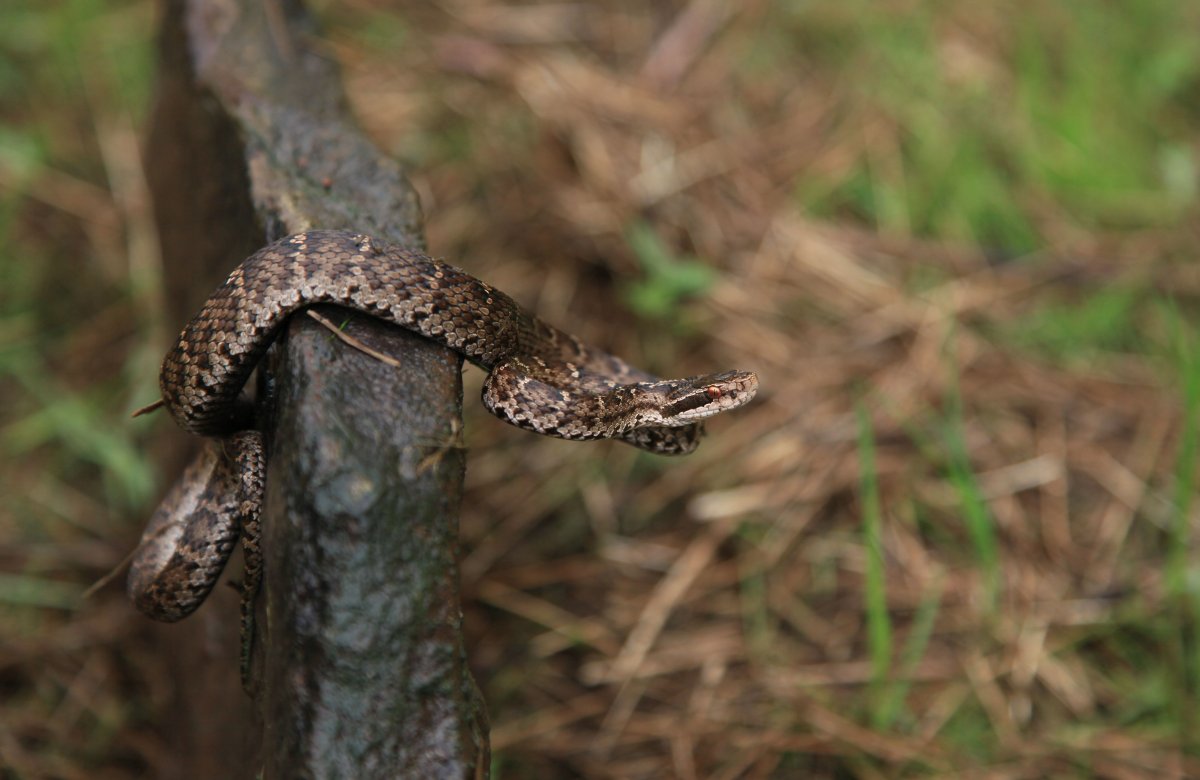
<point>539,378</point>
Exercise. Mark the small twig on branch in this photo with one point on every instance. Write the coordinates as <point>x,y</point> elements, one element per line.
<point>348,339</point>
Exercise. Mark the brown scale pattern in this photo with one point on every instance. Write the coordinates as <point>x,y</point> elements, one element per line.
<point>177,563</point>
<point>540,378</point>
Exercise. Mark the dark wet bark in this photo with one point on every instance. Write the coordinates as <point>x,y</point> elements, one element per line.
<point>358,667</point>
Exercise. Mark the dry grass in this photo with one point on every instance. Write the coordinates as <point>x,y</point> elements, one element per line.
<point>934,546</point>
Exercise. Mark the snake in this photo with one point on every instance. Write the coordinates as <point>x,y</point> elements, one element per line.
<point>539,378</point>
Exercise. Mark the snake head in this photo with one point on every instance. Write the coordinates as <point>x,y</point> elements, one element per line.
<point>697,397</point>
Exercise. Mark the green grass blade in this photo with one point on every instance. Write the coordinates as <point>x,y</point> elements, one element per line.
<point>1188,369</point>
<point>1180,584</point>
<point>879,628</point>
<point>888,706</point>
<point>976,517</point>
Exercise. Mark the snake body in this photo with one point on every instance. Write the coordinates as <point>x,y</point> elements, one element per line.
<point>540,378</point>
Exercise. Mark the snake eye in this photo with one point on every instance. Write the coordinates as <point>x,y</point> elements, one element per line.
<point>713,392</point>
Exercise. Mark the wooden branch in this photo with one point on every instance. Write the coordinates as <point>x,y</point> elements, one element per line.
<point>359,668</point>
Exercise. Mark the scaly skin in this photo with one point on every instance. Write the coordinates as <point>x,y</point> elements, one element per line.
<point>540,378</point>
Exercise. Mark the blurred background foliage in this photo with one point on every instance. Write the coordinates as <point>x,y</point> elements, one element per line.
<point>956,535</point>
